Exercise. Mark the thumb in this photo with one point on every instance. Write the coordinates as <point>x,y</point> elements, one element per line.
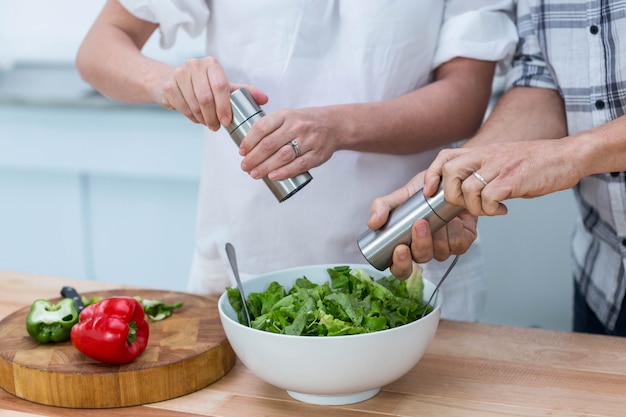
<point>382,206</point>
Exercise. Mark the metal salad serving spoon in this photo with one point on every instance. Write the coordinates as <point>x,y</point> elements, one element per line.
<point>232,257</point>
<point>456,258</point>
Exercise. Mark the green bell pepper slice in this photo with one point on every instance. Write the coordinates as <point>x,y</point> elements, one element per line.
<point>48,322</point>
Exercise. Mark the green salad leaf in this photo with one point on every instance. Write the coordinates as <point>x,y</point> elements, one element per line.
<point>352,302</point>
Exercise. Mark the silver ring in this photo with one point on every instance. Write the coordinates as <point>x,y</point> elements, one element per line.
<point>479,177</point>
<point>296,147</point>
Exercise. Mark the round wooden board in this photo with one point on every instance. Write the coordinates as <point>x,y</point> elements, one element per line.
<point>186,352</point>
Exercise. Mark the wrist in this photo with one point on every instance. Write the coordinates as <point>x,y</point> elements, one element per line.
<point>341,125</point>
<point>152,82</point>
<point>582,152</point>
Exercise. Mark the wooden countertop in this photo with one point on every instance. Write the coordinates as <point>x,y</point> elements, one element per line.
<point>470,369</point>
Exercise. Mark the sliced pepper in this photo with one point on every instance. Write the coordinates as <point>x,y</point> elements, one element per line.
<point>157,310</point>
<point>113,330</point>
<point>48,322</point>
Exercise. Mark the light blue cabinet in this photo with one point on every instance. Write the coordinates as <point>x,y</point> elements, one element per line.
<point>142,231</point>
<point>94,189</point>
<point>41,223</point>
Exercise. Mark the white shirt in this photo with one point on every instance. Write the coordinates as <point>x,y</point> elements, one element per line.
<point>315,53</point>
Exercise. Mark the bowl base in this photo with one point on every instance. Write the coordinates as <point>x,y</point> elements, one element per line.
<point>334,399</point>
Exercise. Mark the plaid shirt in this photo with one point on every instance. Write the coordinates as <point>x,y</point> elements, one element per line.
<point>579,48</point>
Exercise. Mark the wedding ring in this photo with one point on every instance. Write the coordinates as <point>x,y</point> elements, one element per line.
<point>479,177</point>
<point>296,148</point>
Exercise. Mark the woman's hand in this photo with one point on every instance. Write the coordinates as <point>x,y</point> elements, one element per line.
<point>268,149</point>
<point>200,90</point>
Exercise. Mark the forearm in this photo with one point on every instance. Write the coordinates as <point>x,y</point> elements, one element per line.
<point>524,113</point>
<point>110,57</point>
<point>602,149</point>
<point>449,109</point>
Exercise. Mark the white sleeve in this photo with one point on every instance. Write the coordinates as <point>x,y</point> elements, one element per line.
<point>478,29</point>
<point>190,15</point>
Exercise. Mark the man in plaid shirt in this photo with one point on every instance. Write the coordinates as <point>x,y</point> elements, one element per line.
<point>567,93</point>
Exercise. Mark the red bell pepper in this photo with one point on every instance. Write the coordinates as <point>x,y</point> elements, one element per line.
<point>113,330</point>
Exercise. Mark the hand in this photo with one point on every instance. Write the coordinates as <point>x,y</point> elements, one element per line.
<point>267,147</point>
<point>524,169</point>
<point>454,238</point>
<point>200,90</point>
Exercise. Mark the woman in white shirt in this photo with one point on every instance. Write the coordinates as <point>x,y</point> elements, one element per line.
<point>370,90</point>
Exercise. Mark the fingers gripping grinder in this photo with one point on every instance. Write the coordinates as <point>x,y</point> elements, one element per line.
<point>245,113</point>
<point>377,245</point>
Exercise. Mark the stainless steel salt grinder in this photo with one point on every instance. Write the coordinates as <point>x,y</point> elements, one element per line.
<point>377,245</point>
<point>245,113</point>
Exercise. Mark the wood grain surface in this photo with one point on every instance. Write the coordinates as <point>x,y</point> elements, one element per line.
<point>186,352</point>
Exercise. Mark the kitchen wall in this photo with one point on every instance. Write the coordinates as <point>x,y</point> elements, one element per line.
<point>50,31</point>
<point>100,190</point>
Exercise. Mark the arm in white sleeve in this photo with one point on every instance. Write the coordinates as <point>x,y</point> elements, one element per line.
<point>477,29</point>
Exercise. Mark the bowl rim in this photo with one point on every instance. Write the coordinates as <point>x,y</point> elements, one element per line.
<point>437,301</point>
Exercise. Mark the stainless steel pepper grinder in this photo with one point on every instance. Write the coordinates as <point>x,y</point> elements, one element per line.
<point>245,113</point>
<point>377,245</point>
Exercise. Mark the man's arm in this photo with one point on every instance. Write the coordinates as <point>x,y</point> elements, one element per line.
<point>524,113</point>
<point>523,152</point>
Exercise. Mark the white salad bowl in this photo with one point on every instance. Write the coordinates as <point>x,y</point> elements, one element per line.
<point>328,370</point>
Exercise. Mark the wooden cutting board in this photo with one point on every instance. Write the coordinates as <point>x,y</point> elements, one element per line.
<point>186,352</point>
